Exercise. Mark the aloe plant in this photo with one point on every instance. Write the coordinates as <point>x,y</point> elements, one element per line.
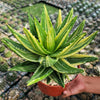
<point>50,52</point>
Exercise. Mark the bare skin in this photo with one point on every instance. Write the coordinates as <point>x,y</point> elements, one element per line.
<point>83,84</point>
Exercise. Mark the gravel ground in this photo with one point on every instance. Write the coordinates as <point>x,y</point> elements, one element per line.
<point>4,7</point>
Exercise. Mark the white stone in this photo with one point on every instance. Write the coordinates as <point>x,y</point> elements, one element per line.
<point>97,50</point>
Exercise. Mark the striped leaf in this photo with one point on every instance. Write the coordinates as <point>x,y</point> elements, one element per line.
<point>58,78</point>
<point>66,20</point>
<point>64,30</point>
<point>35,44</point>
<point>14,32</point>
<point>63,40</point>
<point>59,20</point>
<point>78,59</point>
<point>78,31</point>
<point>48,61</point>
<point>40,74</point>
<point>46,22</point>
<point>32,26</point>
<point>25,67</point>
<point>69,47</point>
<point>40,31</point>
<point>80,45</point>
<point>63,66</point>
<point>23,40</point>
<point>50,41</point>
<point>20,50</point>
<point>72,40</point>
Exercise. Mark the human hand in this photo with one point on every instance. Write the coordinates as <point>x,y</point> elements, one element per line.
<point>76,86</point>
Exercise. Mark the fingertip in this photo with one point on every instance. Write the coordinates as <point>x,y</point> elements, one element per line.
<point>65,92</point>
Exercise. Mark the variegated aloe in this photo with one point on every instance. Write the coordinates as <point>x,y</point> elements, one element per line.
<point>50,52</point>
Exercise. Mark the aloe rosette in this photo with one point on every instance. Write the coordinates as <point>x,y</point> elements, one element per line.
<point>50,52</point>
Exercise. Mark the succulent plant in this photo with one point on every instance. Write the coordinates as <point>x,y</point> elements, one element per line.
<point>50,52</point>
<point>7,16</point>
<point>94,15</point>
<point>1,19</point>
<point>2,48</point>
<point>3,67</point>
<point>5,21</point>
<point>11,76</point>
<point>15,61</point>
<point>3,14</point>
<point>2,83</point>
<point>1,59</point>
<point>7,54</point>
<point>17,27</point>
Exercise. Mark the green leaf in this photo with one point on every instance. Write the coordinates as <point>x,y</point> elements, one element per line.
<point>50,41</point>
<point>46,22</point>
<point>63,66</point>
<point>80,45</point>
<point>72,40</point>
<point>20,50</point>
<point>59,20</point>
<point>61,43</point>
<point>23,40</point>
<point>78,31</point>
<point>48,27</point>
<point>40,74</point>
<point>68,47</point>
<point>58,78</point>
<point>48,80</point>
<point>40,31</point>
<point>35,44</point>
<point>64,31</point>
<point>66,20</point>
<point>25,67</point>
<point>32,26</point>
<point>78,59</point>
<point>48,61</point>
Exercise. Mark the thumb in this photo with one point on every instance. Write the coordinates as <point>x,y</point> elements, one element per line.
<point>67,93</point>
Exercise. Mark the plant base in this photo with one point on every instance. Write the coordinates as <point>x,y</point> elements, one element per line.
<point>51,90</point>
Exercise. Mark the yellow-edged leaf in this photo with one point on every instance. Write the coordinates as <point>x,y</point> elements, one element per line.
<point>50,41</point>
<point>46,22</point>
<point>32,26</point>
<point>23,40</point>
<point>78,31</point>
<point>69,47</point>
<point>59,20</point>
<point>34,42</point>
<point>66,20</point>
<point>80,45</point>
<point>40,74</point>
<point>64,30</point>
<point>63,66</point>
<point>63,39</point>
<point>78,59</point>
<point>40,31</point>
<point>20,50</point>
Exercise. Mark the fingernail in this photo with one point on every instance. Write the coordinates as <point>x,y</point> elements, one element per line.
<point>65,92</point>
